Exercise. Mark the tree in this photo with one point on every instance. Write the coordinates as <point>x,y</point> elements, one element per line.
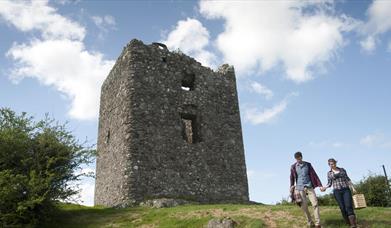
<point>38,161</point>
<point>375,189</point>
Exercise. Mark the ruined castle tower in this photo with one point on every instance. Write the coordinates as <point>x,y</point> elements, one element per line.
<point>168,127</point>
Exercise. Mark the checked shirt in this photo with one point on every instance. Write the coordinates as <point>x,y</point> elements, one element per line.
<point>338,180</point>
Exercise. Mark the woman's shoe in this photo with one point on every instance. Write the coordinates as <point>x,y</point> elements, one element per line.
<point>347,221</point>
<point>352,220</point>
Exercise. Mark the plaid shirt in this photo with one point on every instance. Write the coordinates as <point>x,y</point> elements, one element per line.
<point>338,180</point>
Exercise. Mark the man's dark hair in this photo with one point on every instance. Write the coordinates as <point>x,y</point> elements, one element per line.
<point>298,154</point>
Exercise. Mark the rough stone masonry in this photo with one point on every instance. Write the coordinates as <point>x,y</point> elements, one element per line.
<point>168,127</point>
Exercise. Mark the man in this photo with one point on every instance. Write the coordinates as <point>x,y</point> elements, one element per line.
<point>306,179</point>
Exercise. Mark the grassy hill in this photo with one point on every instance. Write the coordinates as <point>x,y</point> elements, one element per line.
<point>71,215</point>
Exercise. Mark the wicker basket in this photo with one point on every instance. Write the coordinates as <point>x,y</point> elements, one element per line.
<point>359,201</point>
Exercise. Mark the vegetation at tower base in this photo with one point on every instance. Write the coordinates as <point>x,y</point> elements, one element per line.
<point>198,216</point>
<point>38,161</point>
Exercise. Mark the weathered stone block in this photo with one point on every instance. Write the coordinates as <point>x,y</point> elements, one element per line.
<point>221,223</point>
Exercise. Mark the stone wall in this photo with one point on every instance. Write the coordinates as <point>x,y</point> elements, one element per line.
<point>168,127</point>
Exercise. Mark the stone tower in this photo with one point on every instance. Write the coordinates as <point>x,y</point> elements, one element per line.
<point>168,127</point>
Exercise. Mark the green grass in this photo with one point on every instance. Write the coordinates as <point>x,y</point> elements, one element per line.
<point>70,215</point>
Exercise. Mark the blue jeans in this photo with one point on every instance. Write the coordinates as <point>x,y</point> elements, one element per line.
<point>345,201</point>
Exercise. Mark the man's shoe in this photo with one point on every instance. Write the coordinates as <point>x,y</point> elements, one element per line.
<point>318,226</point>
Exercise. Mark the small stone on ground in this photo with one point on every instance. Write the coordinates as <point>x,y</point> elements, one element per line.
<point>221,223</point>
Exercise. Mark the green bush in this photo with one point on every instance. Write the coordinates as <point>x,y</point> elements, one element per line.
<point>38,161</point>
<point>285,201</point>
<point>327,200</point>
<point>375,189</point>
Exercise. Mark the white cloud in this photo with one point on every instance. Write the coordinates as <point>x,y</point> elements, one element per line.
<point>86,186</point>
<point>328,144</point>
<point>368,44</point>
<point>256,116</point>
<point>379,14</point>
<point>259,35</point>
<point>337,144</point>
<point>105,22</point>
<point>373,139</point>
<point>59,59</point>
<point>261,89</point>
<point>38,15</point>
<point>376,140</point>
<point>66,66</point>
<point>109,20</point>
<point>66,2</point>
<point>192,38</point>
<point>369,140</point>
<point>86,194</point>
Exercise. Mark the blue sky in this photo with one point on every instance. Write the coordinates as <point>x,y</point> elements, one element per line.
<point>311,76</point>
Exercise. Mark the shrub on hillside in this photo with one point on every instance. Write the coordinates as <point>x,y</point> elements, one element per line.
<point>284,201</point>
<point>327,200</point>
<point>375,189</point>
<point>38,161</point>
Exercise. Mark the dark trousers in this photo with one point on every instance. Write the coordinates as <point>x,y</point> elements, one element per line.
<point>345,201</point>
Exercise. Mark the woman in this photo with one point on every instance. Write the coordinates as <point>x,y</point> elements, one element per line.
<point>338,178</point>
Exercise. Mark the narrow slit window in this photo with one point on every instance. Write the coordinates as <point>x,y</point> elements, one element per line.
<point>188,82</point>
<point>108,137</point>
<point>190,129</point>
